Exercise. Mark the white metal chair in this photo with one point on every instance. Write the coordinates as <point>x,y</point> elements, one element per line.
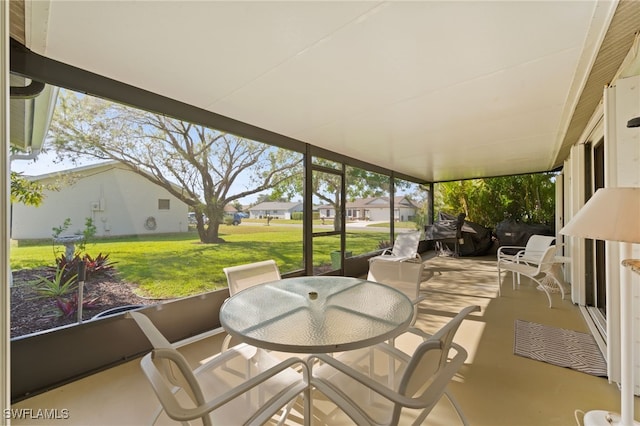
<point>243,385</point>
<point>529,254</point>
<point>404,248</point>
<point>244,276</point>
<point>541,270</point>
<point>403,276</point>
<point>382,384</point>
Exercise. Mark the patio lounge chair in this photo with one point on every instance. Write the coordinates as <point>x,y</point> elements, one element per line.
<point>404,248</point>
<point>362,385</point>
<point>244,385</point>
<point>539,271</point>
<point>529,254</point>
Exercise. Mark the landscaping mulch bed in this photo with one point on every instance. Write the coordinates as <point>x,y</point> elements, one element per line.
<point>31,313</point>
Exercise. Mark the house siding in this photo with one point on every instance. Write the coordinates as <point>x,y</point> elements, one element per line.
<point>118,200</point>
<point>274,210</point>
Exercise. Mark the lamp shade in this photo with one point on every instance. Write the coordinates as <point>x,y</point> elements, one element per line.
<point>612,214</point>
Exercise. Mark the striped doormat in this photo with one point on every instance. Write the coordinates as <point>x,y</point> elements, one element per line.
<point>558,346</point>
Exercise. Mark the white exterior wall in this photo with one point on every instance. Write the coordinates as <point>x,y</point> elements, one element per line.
<point>379,214</point>
<point>406,213</point>
<point>119,202</point>
<point>622,169</point>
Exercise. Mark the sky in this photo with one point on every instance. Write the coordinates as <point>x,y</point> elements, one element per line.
<point>44,164</point>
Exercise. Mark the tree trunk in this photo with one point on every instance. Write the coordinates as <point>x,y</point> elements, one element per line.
<point>210,235</point>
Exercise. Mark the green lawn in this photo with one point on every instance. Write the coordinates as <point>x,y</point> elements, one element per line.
<point>176,265</point>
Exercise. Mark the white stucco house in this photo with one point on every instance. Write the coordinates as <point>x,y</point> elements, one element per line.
<point>375,208</point>
<point>119,201</point>
<point>274,209</point>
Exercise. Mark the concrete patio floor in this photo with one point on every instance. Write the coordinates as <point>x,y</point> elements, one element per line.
<point>494,387</point>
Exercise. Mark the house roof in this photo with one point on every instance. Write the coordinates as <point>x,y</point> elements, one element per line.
<point>380,202</point>
<point>275,205</point>
<point>438,90</point>
<point>87,170</point>
<point>230,209</point>
<point>30,115</point>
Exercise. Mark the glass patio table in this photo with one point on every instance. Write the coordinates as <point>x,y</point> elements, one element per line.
<point>316,314</point>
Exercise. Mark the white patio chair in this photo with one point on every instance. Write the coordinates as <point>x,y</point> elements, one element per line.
<point>529,254</point>
<point>244,276</point>
<point>382,384</point>
<point>243,385</point>
<point>538,272</point>
<point>403,276</point>
<point>404,248</point>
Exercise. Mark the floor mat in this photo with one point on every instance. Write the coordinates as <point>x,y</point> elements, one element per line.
<point>558,346</point>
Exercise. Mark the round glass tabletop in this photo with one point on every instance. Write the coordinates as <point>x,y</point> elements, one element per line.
<point>316,314</point>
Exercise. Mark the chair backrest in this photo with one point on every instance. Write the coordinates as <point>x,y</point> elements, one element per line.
<point>432,367</point>
<point>403,276</point>
<point>170,370</point>
<point>406,244</point>
<point>536,246</point>
<point>547,260</point>
<point>426,379</point>
<point>159,381</point>
<point>156,338</point>
<point>446,334</point>
<point>245,276</point>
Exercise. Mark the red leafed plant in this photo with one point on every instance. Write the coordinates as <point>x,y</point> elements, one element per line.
<point>69,306</point>
<point>99,265</point>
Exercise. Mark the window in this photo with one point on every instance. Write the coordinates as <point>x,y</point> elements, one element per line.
<point>368,201</point>
<point>163,204</point>
<point>273,174</point>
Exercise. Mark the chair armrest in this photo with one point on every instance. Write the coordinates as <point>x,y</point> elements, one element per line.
<point>418,332</point>
<point>365,380</point>
<point>256,381</point>
<point>177,412</point>
<point>511,248</point>
<point>506,256</point>
<point>418,299</point>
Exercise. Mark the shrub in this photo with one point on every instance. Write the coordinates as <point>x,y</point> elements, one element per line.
<point>384,244</point>
<point>99,266</point>
<point>56,286</point>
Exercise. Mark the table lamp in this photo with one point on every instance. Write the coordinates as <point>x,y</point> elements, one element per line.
<point>613,214</point>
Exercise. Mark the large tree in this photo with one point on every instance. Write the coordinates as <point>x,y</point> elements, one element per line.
<point>204,163</point>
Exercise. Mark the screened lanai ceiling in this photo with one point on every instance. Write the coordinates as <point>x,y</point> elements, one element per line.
<point>439,90</point>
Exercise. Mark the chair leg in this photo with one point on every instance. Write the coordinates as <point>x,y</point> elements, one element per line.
<point>543,289</point>
<point>285,412</point>
<point>456,406</point>
<point>560,286</point>
<point>226,342</point>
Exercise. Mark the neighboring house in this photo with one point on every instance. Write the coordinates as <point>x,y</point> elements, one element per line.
<point>375,208</point>
<point>274,209</point>
<point>119,201</point>
<point>230,210</point>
